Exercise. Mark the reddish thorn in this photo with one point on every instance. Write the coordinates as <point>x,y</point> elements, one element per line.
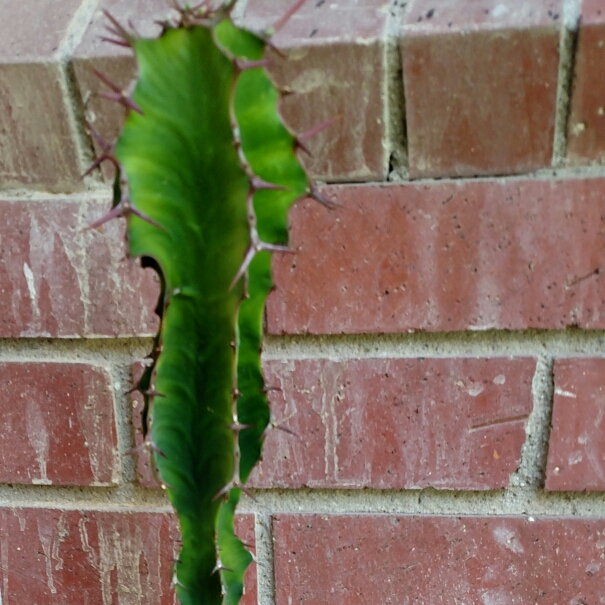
<point>103,158</point>
<point>236,393</point>
<point>115,212</point>
<point>145,218</point>
<point>243,64</point>
<point>286,91</point>
<point>257,184</point>
<point>317,129</point>
<point>247,492</point>
<point>122,99</point>
<point>277,26</point>
<point>247,260</point>
<point>272,425</point>
<point>105,80</point>
<point>121,30</point>
<point>116,42</point>
<point>315,194</point>
<point>300,144</point>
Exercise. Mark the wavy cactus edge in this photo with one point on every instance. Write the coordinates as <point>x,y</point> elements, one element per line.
<point>205,174</point>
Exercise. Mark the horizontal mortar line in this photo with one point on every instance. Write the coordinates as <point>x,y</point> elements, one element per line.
<point>489,343</point>
<point>97,190</point>
<point>127,497</point>
<point>104,351</point>
<point>429,501</point>
<point>93,193</point>
<point>517,501</point>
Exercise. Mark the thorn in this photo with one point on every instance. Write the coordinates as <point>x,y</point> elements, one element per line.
<point>238,428</point>
<point>236,393</point>
<point>233,484</point>
<point>115,212</point>
<point>219,567</point>
<point>122,99</point>
<point>243,64</point>
<point>275,248</point>
<point>286,91</point>
<point>106,151</point>
<point>279,24</point>
<point>117,94</point>
<point>116,42</point>
<point>314,193</point>
<point>274,426</point>
<point>122,209</point>
<point>120,30</point>
<point>146,446</point>
<point>244,267</point>
<point>317,129</point>
<point>257,184</point>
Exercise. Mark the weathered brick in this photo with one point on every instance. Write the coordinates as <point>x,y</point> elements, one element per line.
<point>445,256</point>
<point>480,83</point>
<point>360,559</point>
<point>59,424</point>
<point>397,423</point>
<point>115,62</point>
<point>57,280</point>
<point>37,144</point>
<point>56,556</point>
<point>70,556</point>
<point>576,451</point>
<point>586,125</point>
<point>336,64</point>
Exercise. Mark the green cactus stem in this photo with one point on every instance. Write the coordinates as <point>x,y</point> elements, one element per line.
<point>206,174</point>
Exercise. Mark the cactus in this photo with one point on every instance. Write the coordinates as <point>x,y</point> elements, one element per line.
<point>205,174</point>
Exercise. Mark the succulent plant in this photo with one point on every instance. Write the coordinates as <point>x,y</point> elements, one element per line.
<point>205,174</point>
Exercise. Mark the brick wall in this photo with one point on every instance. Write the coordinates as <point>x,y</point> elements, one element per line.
<point>438,339</point>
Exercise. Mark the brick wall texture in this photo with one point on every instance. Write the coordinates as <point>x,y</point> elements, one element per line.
<point>437,342</point>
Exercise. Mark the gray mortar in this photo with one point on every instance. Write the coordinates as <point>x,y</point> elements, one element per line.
<point>69,87</point>
<point>394,96</point>
<point>567,52</point>
<point>532,470</point>
<point>264,558</point>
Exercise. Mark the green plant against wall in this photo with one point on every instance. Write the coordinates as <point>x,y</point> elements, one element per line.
<point>206,173</point>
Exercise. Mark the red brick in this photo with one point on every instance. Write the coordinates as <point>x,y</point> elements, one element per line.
<point>91,556</point>
<point>37,146</point>
<point>446,256</point>
<point>397,423</point>
<point>245,530</point>
<point>58,281</point>
<point>55,556</point>
<point>336,63</point>
<point>346,53</point>
<point>144,472</point>
<point>59,425</point>
<point>363,559</point>
<point>586,130</point>
<point>576,451</point>
<point>480,86</point>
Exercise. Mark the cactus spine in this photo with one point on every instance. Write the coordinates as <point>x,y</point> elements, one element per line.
<point>206,172</point>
